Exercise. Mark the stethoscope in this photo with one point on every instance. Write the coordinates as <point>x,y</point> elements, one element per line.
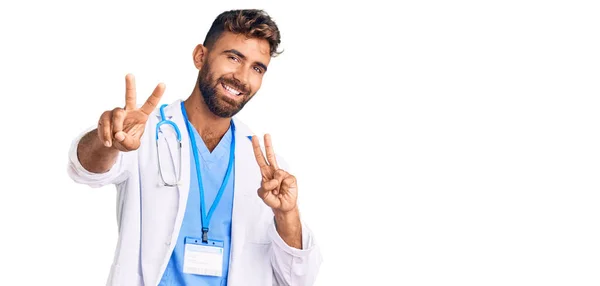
<point>163,121</point>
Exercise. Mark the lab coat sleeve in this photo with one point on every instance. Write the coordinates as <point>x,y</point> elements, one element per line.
<point>118,173</point>
<point>292,266</point>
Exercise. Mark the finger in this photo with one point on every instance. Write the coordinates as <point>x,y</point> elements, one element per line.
<point>118,116</point>
<point>130,93</point>
<point>280,175</point>
<point>136,131</point>
<point>267,196</point>
<point>127,141</point>
<point>288,183</point>
<point>152,101</point>
<point>270,152</point>
<point>104,129</point>
<point>260,159</point>
<point>270,185</point>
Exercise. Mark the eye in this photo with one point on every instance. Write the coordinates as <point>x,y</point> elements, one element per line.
<point>234,58</point>
<point>258,70</point>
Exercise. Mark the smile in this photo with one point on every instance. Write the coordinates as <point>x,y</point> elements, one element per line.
<point>231,90</point>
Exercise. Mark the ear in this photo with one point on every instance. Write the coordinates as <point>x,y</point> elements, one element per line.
<point>199,55</point>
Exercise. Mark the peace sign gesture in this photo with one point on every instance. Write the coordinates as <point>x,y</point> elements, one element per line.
<point>123,128</point>
<point>278,188</point>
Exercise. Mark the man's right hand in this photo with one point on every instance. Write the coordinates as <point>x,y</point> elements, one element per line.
<point>123,128</point>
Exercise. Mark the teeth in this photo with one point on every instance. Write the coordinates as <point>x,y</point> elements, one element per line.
<point>231,90</point>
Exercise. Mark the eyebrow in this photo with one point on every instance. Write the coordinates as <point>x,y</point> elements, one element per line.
<point>237,53</point>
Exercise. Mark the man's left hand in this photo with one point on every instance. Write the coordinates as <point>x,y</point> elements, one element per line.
<point>278,188</point>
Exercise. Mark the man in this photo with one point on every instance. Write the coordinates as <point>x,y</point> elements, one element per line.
<point>209,209</point>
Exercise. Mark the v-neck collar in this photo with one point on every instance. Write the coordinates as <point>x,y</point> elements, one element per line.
<point>220,150</point>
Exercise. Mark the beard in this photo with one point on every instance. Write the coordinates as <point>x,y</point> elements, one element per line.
<point>219,104</point>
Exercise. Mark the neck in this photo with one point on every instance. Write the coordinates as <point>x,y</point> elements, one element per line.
<point>210,127</point>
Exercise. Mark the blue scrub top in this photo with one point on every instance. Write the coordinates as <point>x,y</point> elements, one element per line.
<point>213,167</point>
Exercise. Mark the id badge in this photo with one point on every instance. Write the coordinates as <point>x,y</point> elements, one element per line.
<point>203,258</point>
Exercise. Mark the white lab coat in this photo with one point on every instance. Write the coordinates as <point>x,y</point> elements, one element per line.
<point>149,215</point>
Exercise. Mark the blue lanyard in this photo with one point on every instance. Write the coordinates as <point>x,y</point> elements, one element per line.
<point>206,218</point>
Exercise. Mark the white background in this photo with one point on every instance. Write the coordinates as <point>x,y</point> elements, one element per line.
<point>436,142</point>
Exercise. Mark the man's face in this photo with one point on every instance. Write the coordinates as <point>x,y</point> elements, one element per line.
<point>232,73</point>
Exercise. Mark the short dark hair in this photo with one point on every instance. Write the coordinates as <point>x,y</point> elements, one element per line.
<point>252,23</point>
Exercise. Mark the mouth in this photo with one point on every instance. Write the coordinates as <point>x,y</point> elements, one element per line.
<point>231,91</point>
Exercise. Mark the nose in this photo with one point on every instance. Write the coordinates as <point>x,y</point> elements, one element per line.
<point>242,74</point>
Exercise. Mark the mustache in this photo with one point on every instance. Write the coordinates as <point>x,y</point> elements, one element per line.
<point>236,84</point>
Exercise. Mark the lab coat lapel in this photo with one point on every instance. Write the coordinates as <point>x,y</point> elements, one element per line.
<point>174,112</point>
<point>245,184</point>
<point>184,187</point>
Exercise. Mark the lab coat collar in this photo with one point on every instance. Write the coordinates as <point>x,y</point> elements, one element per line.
<point>174,108</point>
